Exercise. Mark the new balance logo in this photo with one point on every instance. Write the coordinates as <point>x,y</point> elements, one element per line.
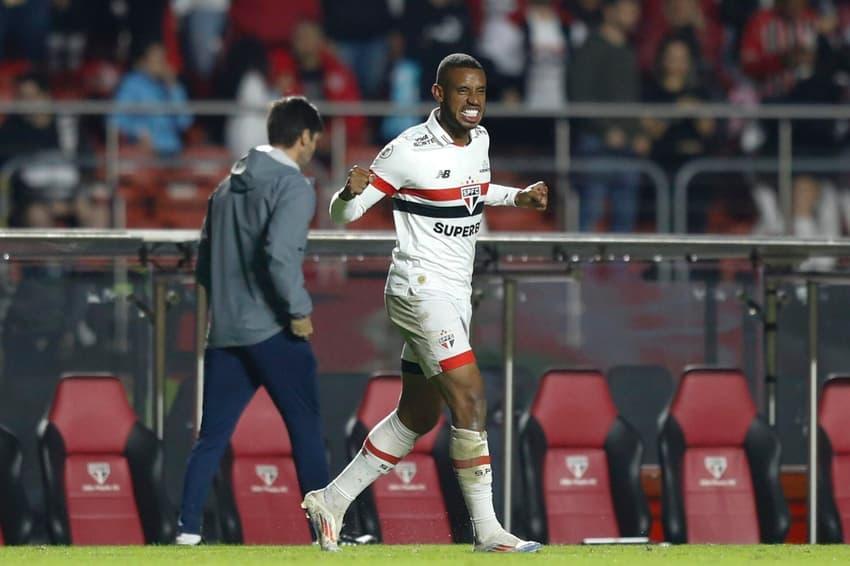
<point>444,173</point>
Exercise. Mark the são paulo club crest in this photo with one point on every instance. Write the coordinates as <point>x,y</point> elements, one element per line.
<point>447,339</point>
<point>577,465</point>
<point>267,472</point>
<point>471,195</point>
<point>716,466</point>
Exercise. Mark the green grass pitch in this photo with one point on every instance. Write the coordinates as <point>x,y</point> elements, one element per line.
<point>461,555</point>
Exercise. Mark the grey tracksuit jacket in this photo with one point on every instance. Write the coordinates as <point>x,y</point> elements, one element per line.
<point>252,247</point>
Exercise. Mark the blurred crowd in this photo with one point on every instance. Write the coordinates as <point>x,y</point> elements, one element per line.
<point>540,54</point>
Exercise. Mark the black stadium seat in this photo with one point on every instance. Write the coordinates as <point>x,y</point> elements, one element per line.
<point>258,492</point>
<point>719,464</point>
<point>15,517</point>
<point>102,469</point>
<point>834,461</point>
<point>580,463</point>
<point>407,505</point>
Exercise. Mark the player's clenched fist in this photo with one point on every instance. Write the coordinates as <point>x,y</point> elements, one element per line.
<point>358,180</point>
<point>534,196</point>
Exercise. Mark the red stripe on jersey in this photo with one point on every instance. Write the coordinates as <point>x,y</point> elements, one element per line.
<point>457,361</point>
<point>383,186</point>
<point>441,194</point>
<point>380,453</point>
<point>471,463</point>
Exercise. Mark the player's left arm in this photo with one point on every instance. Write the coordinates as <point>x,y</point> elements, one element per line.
<point>534,196</point>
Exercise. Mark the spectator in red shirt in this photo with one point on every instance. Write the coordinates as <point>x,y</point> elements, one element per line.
<point>688,20</point>
<point>313,70</point>
<point>774,42</point>
<point>273,22</point>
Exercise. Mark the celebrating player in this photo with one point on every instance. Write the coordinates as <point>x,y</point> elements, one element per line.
<point>438,175</point>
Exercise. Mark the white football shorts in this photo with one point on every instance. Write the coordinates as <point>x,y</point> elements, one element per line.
<point>435,328</point>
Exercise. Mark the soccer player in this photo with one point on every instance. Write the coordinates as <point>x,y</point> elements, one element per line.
<point>438,175</point>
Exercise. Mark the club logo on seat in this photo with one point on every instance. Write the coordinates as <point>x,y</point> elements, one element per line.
<point>717,466</point>
<point>406,471</point>
<point>99,471</point>
<point>471,195</point>
<point>577,465</point>
<point>267,473</point>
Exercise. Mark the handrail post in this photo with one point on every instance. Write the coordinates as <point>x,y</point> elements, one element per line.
<point>570,209</point>
<point>786,183</point>
<point>160,312</point>
<point>508,339</point>
<point>812,299</point>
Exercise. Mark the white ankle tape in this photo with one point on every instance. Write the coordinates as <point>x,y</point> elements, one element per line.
<point>470,456</point>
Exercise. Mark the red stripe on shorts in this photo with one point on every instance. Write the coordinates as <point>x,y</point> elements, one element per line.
<point>471,463</point>
<point>380,453</point>
<point>457,361</point>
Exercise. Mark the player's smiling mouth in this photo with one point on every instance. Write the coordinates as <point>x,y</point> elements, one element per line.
<point>470,114</point>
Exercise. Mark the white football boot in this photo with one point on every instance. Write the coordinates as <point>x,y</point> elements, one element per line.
<point>325,523</point>
<point>504,541</point>
<point>187,539</point>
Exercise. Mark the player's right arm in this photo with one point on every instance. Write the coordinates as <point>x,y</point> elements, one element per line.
<point>364,188</point>
<point>356,197</point>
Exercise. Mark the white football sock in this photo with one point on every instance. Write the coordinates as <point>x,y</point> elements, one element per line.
<point>471,460</point>
<point>386,445</point>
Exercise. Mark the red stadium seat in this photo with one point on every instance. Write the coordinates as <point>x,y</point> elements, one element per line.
<point>407,505</point>
<point>834,461</point>
<point>102,469</point>
<point>719,464</point>
<point>15,517</point>
<point>258,491</point>
<point>580,463</point>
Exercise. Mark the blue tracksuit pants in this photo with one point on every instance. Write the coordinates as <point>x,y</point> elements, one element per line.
<point>286,367</point>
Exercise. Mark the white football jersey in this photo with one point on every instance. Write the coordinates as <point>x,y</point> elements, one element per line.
<point>439,190</point>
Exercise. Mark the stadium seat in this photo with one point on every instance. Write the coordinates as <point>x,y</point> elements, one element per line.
<point>834,461</point>
<point>258,492</point>
<point>719,464</point>
<point>102,468</point>
<point>407,505</point>
<point>580,463</point>
<point>15,517</point>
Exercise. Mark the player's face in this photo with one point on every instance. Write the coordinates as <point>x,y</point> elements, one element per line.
<point>463,98</point>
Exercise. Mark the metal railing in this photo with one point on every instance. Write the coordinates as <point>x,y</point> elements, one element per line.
<point>692,169</point>
<point>783,114</point>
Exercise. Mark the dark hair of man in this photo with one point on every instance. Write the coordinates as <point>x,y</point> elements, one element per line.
<point>455,61</point>
<point>289,117</point>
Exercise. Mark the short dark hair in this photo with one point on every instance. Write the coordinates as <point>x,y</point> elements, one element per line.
<point>456,61</point>
<point>289,117</point>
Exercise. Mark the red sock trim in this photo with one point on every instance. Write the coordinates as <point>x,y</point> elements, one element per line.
<point>471,463</point>
<point>380,454</point>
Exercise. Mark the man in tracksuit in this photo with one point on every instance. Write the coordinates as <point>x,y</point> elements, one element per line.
<point>249,261</point>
